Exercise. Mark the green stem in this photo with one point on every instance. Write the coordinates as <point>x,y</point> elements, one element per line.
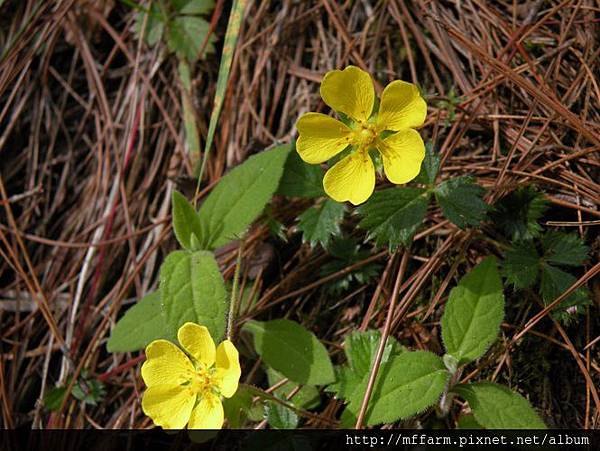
<point>234,297</point>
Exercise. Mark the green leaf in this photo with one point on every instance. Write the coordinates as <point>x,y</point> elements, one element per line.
<point>461,201</point>
<point>474,311</point>
<point>54,397</point>
<point>280,417</point>
<point>301,179</point>
<point>240,408</point>
<point>497,407</point>
<point>141,324</point>
<point>186,36</point>
<point>517,213</point>
<point>185,221</point>
<point>412,382</point>
<point>193,7</point>
<point>292,350</point>
<point>240,197</point>
<point>564,249</point>
<point>155,24</point>
<point>318,224</point>
<point>555,282</point>
<point>521,264</point>
<point>429,167</point>
<point>392,216</point>
<point>360,349</point>
<point>307,397</point>
<point>467,421</point>
<point>192,289</point>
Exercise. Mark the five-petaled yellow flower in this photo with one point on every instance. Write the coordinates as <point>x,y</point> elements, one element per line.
<point>183,390</point>
<point>350,91</point>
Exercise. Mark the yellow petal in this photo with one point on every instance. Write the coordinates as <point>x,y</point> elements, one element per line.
<point>402,153</point>
<point>228,368</point>
<point>165,364</point>
<point>196,340</point>
<point>349,91</point>
<point>351,179</point>
<point>320,137</point>
<point>169,406</point>
<point>208,414</point>
<point>401,107</point>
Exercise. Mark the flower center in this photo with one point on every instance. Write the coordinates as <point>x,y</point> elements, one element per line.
<point>202,381</point>
<point>364,136</point>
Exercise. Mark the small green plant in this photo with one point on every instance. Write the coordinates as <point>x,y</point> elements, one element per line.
<point>191,286</point>
<point>409,382</point>
<point>392,216</point>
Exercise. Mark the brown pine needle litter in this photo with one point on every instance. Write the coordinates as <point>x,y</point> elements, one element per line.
<point>92,144</point>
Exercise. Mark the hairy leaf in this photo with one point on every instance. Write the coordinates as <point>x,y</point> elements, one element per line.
<point>192,289</point>
<point>521,264</point>
<point>392,216</point>
<point>412,382</point>
<point>474,311</point>
<point>461,201</point>
<point>360,349</point>
<point>318,224</point>
<point>497,407</point>
<point>564,249</point>
<point>517,213</point>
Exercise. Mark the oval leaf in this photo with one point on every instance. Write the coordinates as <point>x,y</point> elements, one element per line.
<point>292,350</point>
<point>240,197</point>
<point>497,407</point>
<point>409,384</point>
<point>192,289</point>
<point>474,312</point>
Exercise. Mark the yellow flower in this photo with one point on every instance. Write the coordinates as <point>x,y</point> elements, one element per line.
<point>183,390</point>
<point>350,91</point>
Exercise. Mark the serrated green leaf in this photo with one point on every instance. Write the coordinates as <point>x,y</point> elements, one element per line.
<point>429,167</point>
<point>555,282</point>
<point>318,224</point>
<point>412,382</point>
<point>392,216</point>
<point>307,397</point>
<point>192,289</point>
<point>186,36</point>
<point>301,179</point>
<point>461,201</point>
<point>473,313</point>
<point>280,417</point>
<point>497,407</point>
<point>292,350</point>
<point>517,213</point>
<point>185,221</point>
<point>141,324</point>
<point>564,249</point>
<point>240,197</point>
<point>360,349</point>
<point>193,7</point>
<point>521,264</point>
